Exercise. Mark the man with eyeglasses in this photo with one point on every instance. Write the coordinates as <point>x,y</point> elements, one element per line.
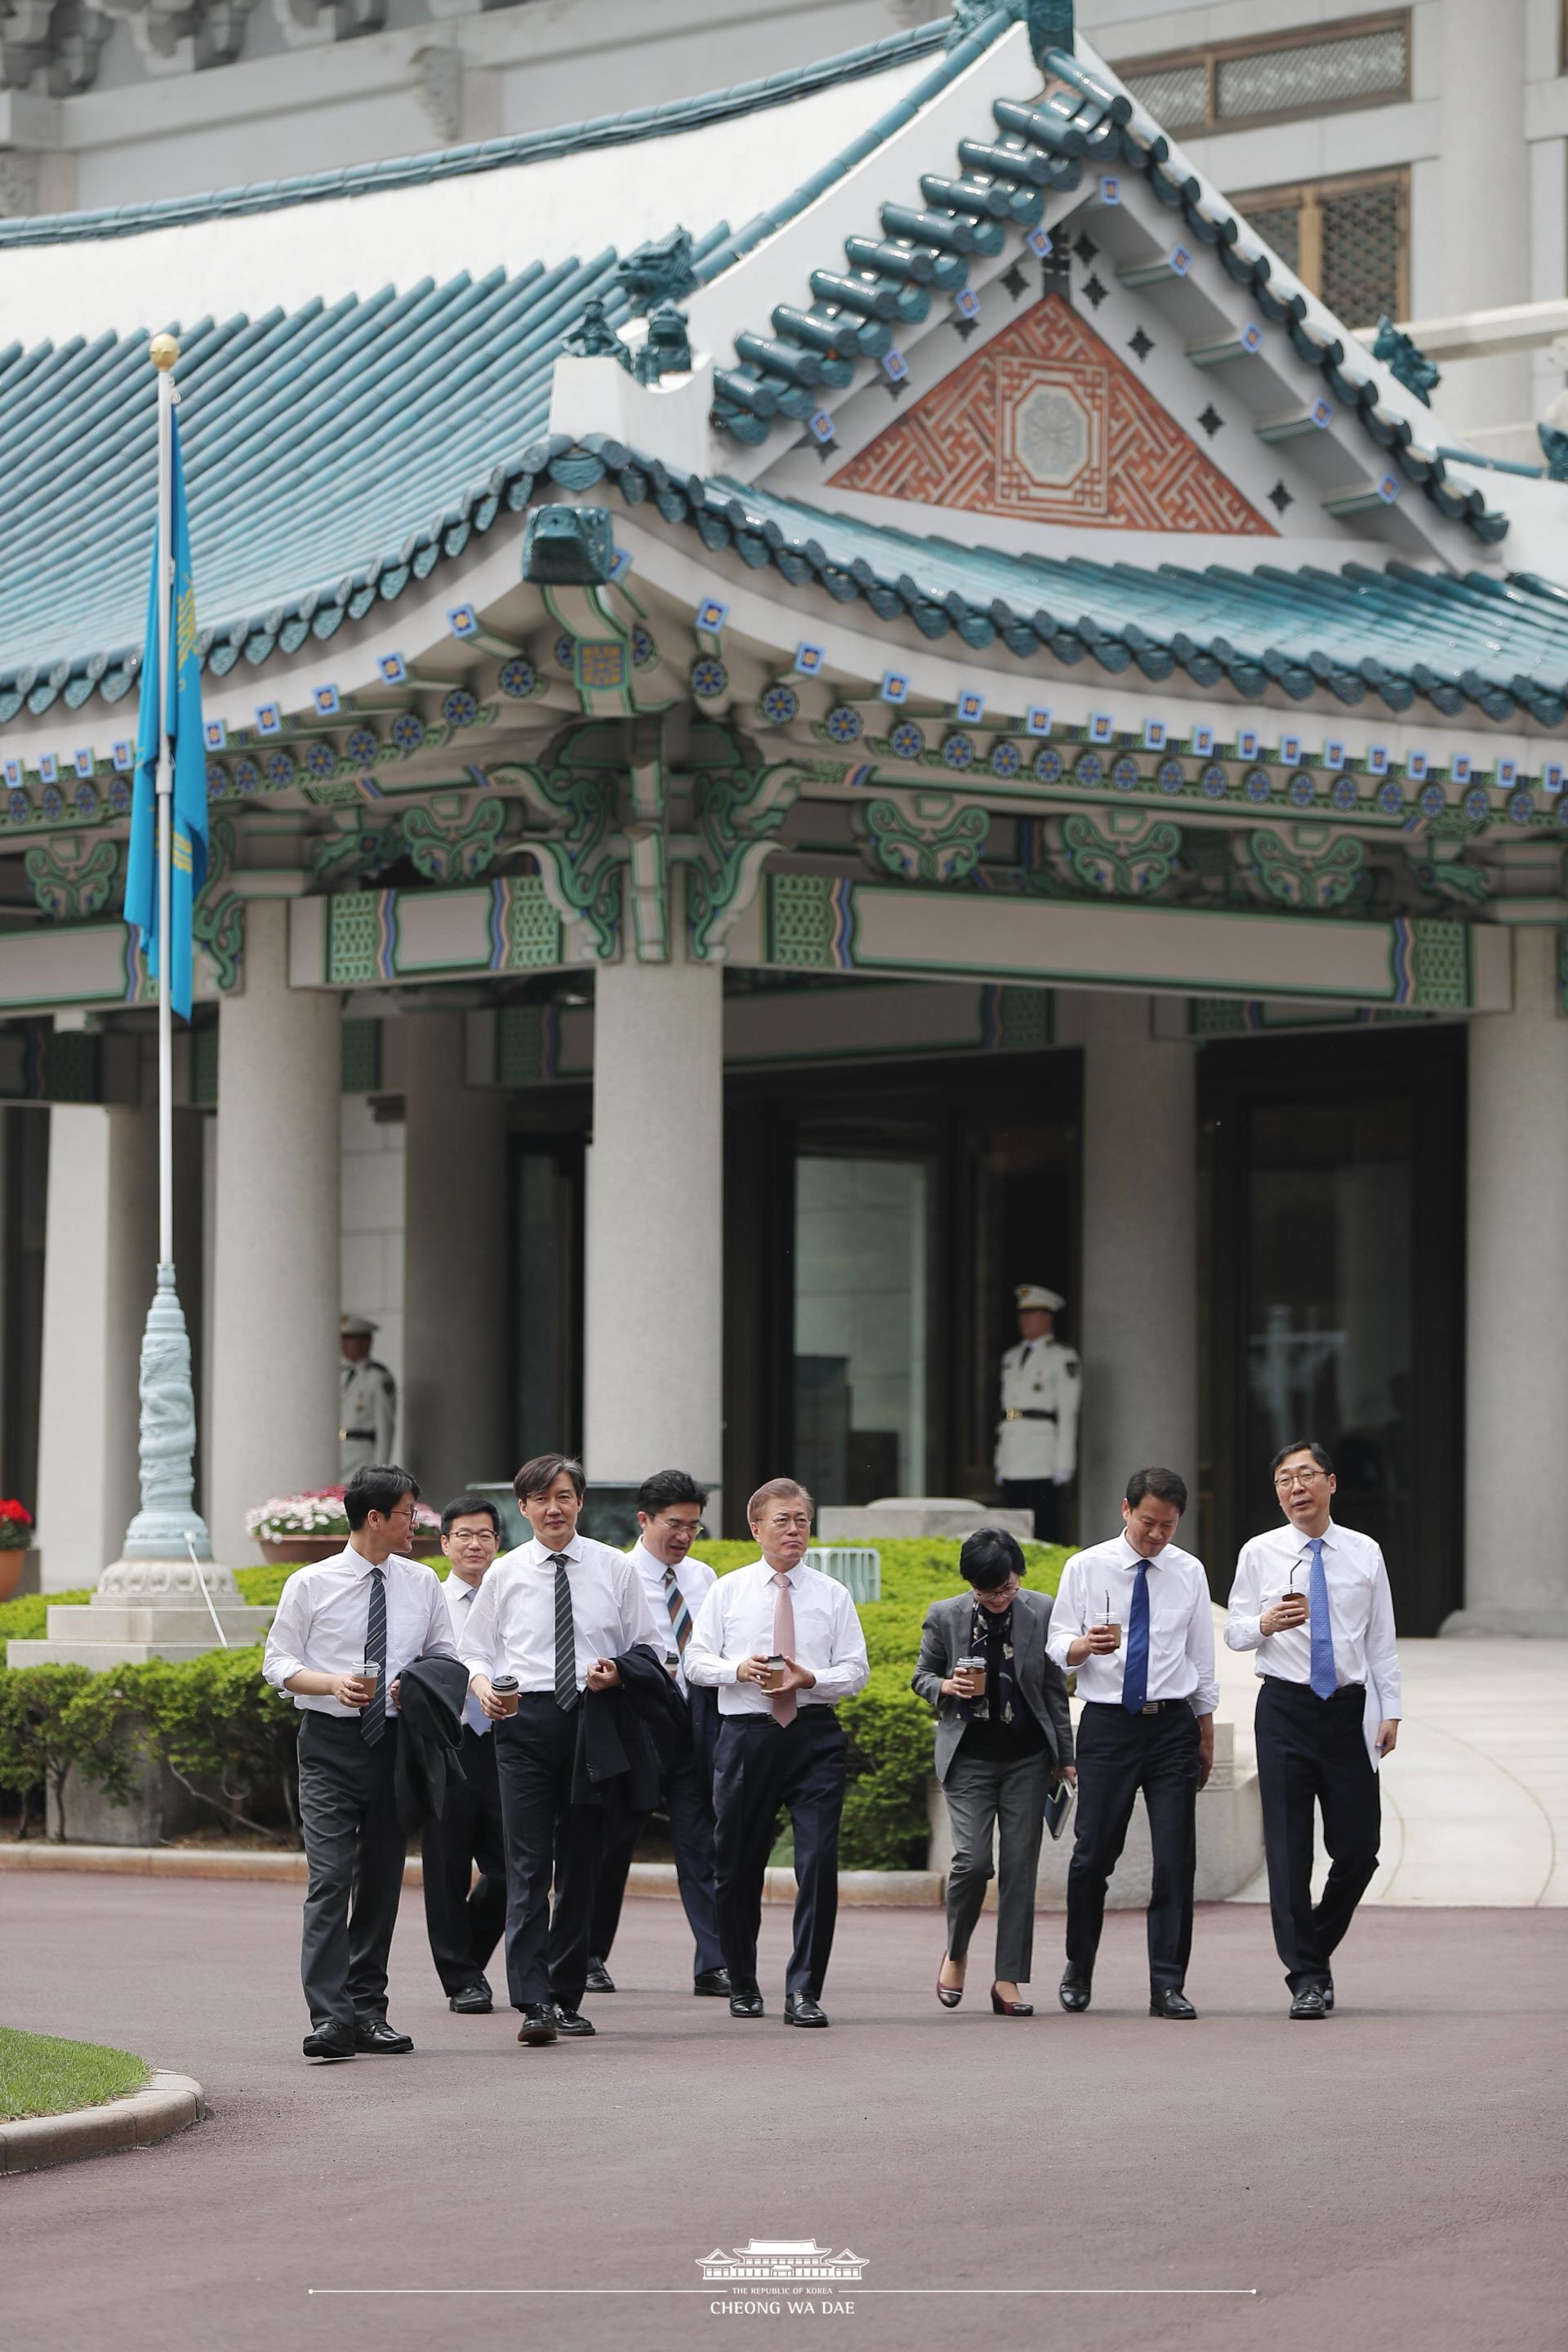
<point>464,1920</point>
<point>781,1644</point>
<point>670,1520</point>
<point>1312,1600</point>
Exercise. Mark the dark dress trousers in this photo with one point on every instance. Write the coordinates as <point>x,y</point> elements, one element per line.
<point>1043,1498</point>
<point>994,1775</point>
<point>1118,1755</point>
<point>561,1777</point>
<point>688,1798</point>
<point>356,1844</point>
<point>464,1916</point>
<point>1313,1750</point>
<point>761,1766</point>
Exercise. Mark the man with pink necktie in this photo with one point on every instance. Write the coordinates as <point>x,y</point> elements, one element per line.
<point>781,1644</point>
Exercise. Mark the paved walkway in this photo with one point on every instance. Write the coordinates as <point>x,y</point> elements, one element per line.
<point>1475,1798</point>
<point>1391,2179</point>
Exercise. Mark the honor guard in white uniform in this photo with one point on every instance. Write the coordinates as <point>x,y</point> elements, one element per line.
<point>1036,1437</point>
<point>367,1406</point>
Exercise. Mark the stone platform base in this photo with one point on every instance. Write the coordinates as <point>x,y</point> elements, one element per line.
<point>947,1516</point>
<point>145,1608</point>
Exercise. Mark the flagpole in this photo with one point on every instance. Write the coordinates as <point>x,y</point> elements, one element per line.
<point>167,1549</point>
<point>164,353</point>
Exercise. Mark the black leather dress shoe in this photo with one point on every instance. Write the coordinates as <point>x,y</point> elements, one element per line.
<point>598,1978</point>
<point>330,2041</point>
<point>1169,2000</point>
<point>801,2010</point>
<point>538,2023</point>
<point>378,2039</point>
<point>715,1982</point>
<point>1329,1994</point>
<point>572,2022</point>
<point>1308,2002</point>
<point>1073,1993</point>
<point>472,2000</point>
<point>745,2000</point>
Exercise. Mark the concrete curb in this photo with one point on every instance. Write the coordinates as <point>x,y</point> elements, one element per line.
<point>164,2105</point>
<point>875,1889</point>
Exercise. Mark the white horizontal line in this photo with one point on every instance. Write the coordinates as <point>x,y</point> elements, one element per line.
<point>754,2288</point>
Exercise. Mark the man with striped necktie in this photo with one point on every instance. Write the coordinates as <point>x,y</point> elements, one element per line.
<point>670,1520</point>
<point>554,1615</point>
<point>371,1605</point>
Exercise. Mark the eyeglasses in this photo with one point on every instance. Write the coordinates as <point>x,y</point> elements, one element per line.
<point>693,1527</point>
<point>1289,1478</point>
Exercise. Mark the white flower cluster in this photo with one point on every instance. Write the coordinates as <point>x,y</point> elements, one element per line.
<point>296,1515</point>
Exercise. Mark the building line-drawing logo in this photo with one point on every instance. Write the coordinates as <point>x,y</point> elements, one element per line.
<point>780,2262</point>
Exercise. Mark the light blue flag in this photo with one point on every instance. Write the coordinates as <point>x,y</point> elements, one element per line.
<point>179,677</point>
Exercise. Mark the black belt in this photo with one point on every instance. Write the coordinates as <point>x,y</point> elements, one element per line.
<point>1288,1682</point>
<point>368,1434</point>
<point>1026,1413</point>
<point>1150,1706</point>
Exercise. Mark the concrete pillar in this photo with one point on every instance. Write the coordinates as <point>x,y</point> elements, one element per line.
<point>1515,1553</point>
<point>1138,1322</point>
<point>653,1337</point>
<point>275,1286</point>
<point>99,1262</point>
<point>455,1418</point>
<point>1482,259</point>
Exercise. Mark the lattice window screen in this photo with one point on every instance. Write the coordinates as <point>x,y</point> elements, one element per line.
<point>1279,227</point>
<point>1362,244</point>
<point>1319,74</point>
<point>1176,96</point>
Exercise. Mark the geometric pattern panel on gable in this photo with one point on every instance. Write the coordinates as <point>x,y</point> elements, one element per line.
<point>1050,425</point>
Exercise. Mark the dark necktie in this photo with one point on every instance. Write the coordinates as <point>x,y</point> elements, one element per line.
<point>680,1615</point>
<point>565,1641</point>
<point>372,1722</point>
<point>1135,1680</point>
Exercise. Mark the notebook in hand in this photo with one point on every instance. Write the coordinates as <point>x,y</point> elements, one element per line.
<point>1059,1804</point>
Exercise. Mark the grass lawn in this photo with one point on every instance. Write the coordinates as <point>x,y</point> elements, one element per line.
<point>41,2076</point>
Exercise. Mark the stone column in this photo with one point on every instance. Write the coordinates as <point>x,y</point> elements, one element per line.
<point>653,1337</point>
<point>1515,1554</point>
<point>456,1424</point>
<point>101,1254</point>
<point>275,1285</point>
<point>1465,256</point>
<point>1138,1317</point>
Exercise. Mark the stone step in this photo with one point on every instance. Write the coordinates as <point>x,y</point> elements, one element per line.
<point>155,1621</point>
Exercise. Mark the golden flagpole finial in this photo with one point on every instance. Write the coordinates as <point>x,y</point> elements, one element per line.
<point>163,350</point>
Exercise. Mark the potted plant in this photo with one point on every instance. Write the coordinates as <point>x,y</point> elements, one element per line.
<point>18,1561</point>
<point>314,1526</point>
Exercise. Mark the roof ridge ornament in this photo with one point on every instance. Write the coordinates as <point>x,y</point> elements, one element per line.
<point>1405,361</point>
<point>659,271</point>
<point>593,338</point>
<point>1050,22</point>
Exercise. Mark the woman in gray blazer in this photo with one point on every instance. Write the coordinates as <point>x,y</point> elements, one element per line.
<point>1003,1736</point>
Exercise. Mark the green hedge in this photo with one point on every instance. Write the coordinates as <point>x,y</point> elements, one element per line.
<point>230,1738</point>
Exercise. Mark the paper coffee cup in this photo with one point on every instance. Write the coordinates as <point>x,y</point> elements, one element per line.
<point>505,1688</point>
<point>775,1666</point>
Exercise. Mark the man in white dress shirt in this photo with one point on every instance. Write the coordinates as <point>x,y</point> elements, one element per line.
<point>1312,1600</point>
<point>670,1520</point>
<point>1134,1620</point>
<point>555,1614</point>
<point>780,1742</point>
<point>464,1916</point>
<point>370,1604</point>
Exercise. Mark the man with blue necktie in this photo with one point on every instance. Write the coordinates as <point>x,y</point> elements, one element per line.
<point>1312,1600</point>
<point>1134,1621</point>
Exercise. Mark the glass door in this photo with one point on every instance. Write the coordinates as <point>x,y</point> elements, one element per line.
<point>861,1259</point>
<point>1333,1277</point>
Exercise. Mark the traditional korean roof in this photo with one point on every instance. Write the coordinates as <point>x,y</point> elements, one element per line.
<point>339,451</point>
<point>1088,127</point>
